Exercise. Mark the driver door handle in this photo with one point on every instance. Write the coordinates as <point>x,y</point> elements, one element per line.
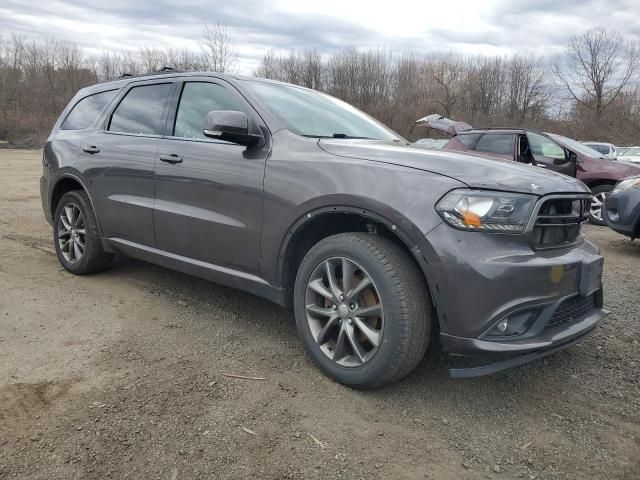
<point>90,149</point>
<point>541,165</point>
<point>172,159</point>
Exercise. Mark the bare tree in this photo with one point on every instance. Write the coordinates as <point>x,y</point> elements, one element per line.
<point>597,66</point>
<point>447,72</point>
<point>218,48</point>
<point>527,91</point>
<point>39,76</point>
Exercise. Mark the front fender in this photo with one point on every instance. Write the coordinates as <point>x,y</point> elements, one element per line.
<point>369,208</point>
<point>296,190</point>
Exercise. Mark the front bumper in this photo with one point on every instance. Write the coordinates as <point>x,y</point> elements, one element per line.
<point>621,212</point>
<point>537,338</point>
<point>549,298</point>
<point>521,359</point>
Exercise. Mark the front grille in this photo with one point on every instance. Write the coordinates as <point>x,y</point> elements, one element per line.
<point>571,310</point>
<point>559,221</point>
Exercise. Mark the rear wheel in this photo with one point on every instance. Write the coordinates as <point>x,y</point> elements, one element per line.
<point>597,203</point>
<point>362,309</point>
<point>75,235</point>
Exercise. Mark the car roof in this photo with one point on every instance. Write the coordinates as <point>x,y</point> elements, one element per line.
<point>495,130</point>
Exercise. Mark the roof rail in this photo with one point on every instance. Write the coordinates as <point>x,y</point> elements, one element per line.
<point>157,72</point>
<point>498,128</point>
<point>166,69</point>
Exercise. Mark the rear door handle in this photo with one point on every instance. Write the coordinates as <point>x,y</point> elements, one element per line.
<point>172,159</point>
<point>90,149</point>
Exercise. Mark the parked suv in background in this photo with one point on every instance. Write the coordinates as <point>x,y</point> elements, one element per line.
<point>300,198</point>
<point>545,150</point>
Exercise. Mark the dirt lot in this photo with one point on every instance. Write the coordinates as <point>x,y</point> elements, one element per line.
<point>120,375</point>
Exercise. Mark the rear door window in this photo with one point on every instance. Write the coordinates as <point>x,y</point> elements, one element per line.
<point>496,143</point>
<point>196,101</point>
<point>87,110</point>
<point>141,111</point>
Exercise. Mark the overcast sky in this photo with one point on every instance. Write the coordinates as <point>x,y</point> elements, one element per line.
<point>474,26</point>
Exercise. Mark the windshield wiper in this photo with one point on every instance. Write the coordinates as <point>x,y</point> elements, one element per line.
<point>351,137</point>
<point>341,135</point>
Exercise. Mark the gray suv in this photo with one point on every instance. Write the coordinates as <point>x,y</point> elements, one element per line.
<point>378,246</point>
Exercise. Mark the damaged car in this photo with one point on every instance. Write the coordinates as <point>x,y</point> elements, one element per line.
<point>380,248</point>
<point>544,150</point>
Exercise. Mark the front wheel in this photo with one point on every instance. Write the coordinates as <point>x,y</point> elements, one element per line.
<point>597,203</point>
<point>362,309</point>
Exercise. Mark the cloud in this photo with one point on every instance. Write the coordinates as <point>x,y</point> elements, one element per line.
<point>466,26</point>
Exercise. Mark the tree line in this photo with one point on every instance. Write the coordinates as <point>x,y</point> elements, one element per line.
<point>39,77</point>
<point>591,91</point>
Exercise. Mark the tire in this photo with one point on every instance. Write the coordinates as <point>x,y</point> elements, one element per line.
<point>397,292</point>
<point>598,196</point>
<point>93,258</point>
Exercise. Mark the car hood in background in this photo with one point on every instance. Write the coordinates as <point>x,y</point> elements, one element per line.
<point>475,171</point>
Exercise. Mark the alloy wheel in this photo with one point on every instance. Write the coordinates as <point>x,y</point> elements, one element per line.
<point>71,233</point>
<point>596,205</point>
<point>344,311</point>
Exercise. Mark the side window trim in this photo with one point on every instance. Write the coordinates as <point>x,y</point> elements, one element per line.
<point>115,103</point>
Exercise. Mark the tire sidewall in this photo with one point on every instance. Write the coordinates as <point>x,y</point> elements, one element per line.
<point>376,368</point>
<point>76,199</point>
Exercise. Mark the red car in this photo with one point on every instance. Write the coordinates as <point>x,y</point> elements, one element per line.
<point>544,150</point>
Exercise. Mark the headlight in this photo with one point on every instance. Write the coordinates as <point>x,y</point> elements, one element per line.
<point>486,210</point>
<point>627,184</point>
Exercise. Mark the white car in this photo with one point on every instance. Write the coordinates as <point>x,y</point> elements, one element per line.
<point>606,149</point>
<point>630,154</point>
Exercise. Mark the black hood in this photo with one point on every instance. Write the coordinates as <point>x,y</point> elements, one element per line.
<point>474,170</point>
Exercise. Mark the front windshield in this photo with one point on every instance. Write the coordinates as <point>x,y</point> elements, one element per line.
<point>575,146</point>
<point>314,114</point>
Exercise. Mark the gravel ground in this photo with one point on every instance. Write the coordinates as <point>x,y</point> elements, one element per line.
<point>121,375</point>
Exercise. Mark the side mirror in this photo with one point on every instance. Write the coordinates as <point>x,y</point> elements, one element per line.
<point>230,126</point>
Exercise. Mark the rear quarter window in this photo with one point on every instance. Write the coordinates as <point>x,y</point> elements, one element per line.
<point>87,110</point>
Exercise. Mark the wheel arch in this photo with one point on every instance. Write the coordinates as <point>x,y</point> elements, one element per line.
<point>600,182</point>
<point>64,183</point>
<point>323,221</point>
